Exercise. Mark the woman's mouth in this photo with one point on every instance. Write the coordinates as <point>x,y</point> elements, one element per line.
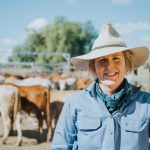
<point>110,74</point>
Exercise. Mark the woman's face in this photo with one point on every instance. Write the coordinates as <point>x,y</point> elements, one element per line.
<point>111,70</point>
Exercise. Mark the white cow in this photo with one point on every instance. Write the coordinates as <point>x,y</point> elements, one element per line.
<point>10,111</point>
<point>32,81</point>
<point>67,84</point>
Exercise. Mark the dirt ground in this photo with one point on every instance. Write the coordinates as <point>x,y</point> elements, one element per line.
<point>29,141</point>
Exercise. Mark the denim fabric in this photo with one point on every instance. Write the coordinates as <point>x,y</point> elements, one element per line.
<point>86,124</point>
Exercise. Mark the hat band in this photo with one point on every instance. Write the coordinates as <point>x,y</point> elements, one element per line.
<point>112,45</point>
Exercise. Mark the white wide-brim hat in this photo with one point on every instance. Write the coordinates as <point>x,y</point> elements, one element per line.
<point>108,42</point>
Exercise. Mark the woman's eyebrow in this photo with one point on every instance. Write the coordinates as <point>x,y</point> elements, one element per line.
<point>100,58</point>
<point>116,55</point>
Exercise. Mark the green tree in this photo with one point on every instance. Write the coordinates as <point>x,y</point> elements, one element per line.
<point>61,36</point>
<point>147,65</point>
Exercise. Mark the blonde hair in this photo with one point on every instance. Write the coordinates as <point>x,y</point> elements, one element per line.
<point>129,63</point>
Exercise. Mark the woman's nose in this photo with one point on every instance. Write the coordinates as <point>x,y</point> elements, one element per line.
<point>109,63</point>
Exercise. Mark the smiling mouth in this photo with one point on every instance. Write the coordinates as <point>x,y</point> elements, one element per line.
<point>110,74</point>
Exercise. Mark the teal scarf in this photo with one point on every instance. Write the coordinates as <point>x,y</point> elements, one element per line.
<point>115,100</point>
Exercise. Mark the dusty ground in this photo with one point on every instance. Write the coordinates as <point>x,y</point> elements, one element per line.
<point>29,142</point>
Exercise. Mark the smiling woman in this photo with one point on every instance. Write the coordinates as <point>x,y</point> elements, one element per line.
<point>110,114</point>
<point>110,71</point>
<point>124,60</point>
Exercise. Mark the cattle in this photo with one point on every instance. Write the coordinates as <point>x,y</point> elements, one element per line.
<point>67,84</point>
<point>82,83</point>
<point>63,82</point>
<point>58,99</point>
<point>36,100</point>
<point>30,82</point>
<point>55,107</point>
<point>10,111</point>
<point>56,95</point>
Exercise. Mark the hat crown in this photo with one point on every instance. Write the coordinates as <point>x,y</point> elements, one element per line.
<point>108,37</point>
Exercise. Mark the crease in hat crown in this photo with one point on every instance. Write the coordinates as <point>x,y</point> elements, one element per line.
<point>108,37</point>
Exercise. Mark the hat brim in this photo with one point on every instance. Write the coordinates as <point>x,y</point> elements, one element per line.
<point>140,55</point>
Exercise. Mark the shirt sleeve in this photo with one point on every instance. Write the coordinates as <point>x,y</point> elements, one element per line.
<point>65,132</point>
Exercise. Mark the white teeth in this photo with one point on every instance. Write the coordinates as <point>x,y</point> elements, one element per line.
<point>109,74</point>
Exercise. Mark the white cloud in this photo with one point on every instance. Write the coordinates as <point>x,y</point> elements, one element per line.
<point>124,2</point>
<point>8,41</point>
<point>130,27</point>
<point>37,24</point>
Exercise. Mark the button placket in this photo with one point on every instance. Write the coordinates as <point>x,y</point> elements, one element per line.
<point>112,125</point>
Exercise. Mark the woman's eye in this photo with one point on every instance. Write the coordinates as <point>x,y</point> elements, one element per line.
<point>116,59</point>
<point>102,60</point>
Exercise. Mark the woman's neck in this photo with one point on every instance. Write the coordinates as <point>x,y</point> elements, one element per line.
<point>106,89</point>
<point>110,89</point>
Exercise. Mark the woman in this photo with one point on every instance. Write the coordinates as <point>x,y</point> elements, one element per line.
<point>110,114</point>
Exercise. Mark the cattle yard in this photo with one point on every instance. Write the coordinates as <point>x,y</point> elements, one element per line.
<point>42,98</point>
<point>30,125</point>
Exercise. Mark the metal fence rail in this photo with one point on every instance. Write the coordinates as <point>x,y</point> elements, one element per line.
<point>34,67</point>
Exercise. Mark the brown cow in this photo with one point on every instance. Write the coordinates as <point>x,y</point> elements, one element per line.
<point>36,99</point>
<point>57,101</point>
<point>55,107</point>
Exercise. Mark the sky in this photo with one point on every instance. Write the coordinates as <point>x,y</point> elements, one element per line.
<point>130,17</point>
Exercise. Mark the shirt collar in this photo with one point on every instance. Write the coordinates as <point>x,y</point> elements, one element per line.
<point>91,89</point>
<point>131,88</point>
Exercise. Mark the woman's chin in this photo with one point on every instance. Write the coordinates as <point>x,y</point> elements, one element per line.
<point>108,82</point>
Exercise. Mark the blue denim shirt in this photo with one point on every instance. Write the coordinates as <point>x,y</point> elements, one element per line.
<point>86,124</point>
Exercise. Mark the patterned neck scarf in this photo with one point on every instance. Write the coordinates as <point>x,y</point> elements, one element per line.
<point>116,99</point>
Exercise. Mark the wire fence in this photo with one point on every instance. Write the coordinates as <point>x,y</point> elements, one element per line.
<point>34,67</point>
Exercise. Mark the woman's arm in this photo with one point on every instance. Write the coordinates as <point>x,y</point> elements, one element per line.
<point>65,132</point>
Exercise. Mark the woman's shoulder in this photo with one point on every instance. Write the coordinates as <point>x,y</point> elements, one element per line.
<point>76,95</point>
<point>84,92</point>
<point>147,94</point>
<point>139,92</point>
<point>143,97</point>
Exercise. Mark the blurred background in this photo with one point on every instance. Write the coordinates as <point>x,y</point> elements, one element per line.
<point>38,37</point>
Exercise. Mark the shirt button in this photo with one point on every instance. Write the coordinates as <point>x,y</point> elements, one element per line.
<point>126,124</point>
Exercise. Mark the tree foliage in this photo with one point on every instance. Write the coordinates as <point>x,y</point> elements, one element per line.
<point>147,65</point>
<point>61,36</point>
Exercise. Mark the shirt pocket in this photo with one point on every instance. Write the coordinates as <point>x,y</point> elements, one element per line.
<point>132,125</point>
<point>89,133</point>
<point>134,132</point>
<point>89,124</point>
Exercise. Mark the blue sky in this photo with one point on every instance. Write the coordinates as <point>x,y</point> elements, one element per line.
<point>130,17</point>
